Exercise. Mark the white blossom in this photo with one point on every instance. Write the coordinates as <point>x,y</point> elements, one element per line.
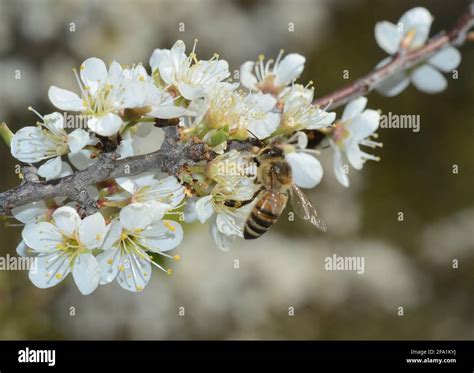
<point>129,243</point>
<point>37,211</point>
<point>306,169</point>
<point>106,93</point>
<point>299,112</point>
<point>352,130</point>
<point>235,177</point>
<point>273,76</point>
<point>410,33</point>
<point>159,195</point>
<point>186,75</point>
<point>223,107</point>
<point>48,141</point>
<point>64,245</point>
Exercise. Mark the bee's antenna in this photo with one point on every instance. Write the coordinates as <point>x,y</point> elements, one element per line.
<point>262,144</point>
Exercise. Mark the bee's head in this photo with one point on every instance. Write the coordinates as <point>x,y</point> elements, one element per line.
<point>270,152</point>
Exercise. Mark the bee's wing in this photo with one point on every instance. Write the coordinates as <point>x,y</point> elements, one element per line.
<point>304,208</point>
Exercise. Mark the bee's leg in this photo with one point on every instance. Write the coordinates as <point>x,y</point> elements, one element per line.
<point>239,204</point>
<point>233,203</point>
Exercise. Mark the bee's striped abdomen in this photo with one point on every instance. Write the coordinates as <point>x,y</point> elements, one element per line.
<point>264,214</point>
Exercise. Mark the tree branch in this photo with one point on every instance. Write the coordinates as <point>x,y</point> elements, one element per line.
<point>174,154</point>
<point>171,158</point>
<point>456,36</point>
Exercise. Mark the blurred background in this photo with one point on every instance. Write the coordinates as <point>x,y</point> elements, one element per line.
<point>407,264</point>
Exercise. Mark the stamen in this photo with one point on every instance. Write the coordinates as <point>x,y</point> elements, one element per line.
<point>168,225</point>
<point>194,46</point>
<point>79,83</point>
<point>267,66</point>
<point>174,257</point>
<point>262,67</point>
<point>55,274</point>
<point>311,151</point>
<point>278,59</point>
<point>36,112</point>
<point>12,225</point>
<point>370,143</point>
<point>169,271</point>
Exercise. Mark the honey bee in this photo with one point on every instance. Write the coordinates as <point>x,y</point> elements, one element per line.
<point>275,176</point>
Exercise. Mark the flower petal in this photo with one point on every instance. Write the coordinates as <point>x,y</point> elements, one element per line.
<point>418,20</point>
<point>158,57</point>
<point>125,148</point>
<point>128,184</point>
<point>94,73</point>
<point>354,108</point>
<point>260,102</point>
<point>86,273</point>
<point>92,231</point>
<point>51,168</point>
<point>326,118</point>
<point>135,94</point>
<point>49,270</point>
<point>28,145</point>
<point>446,60</point>
<point>189,92</point>
<point>264,127</point>
<point>223,242</point>
<point>158,209</point>
<point>23,250</point>
<point>77,139</point>
<point>135,183</point>
<point>112,235</point>
<point>64,99</point>
<point>134,273</point>
<point>247,78</point>
<point>82,159</point>
<point>170,191</point>
<point>339,171</point>
<point>168,111</point>
<point>388,36</point>
<point>115,74</point>
<point>190,215</point>
<point>394,84</point>
<point>307,170</point>
<point>364,124</point>
<point>67,220</point>
<point>54,122</point>
<point>31,212</point>
<point>178,53</point>
<point>41,237</point>
<point>66,170</point>
<point>109,262</point>
<point>289,69</point>
<point>228,225</point>
<point>105,125</point>
<point>162,236</point>
<point>136,216</point>
<point>301,140</point>
<point>204,209</point>
<point>427,79</point>
<point>354,155</point>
